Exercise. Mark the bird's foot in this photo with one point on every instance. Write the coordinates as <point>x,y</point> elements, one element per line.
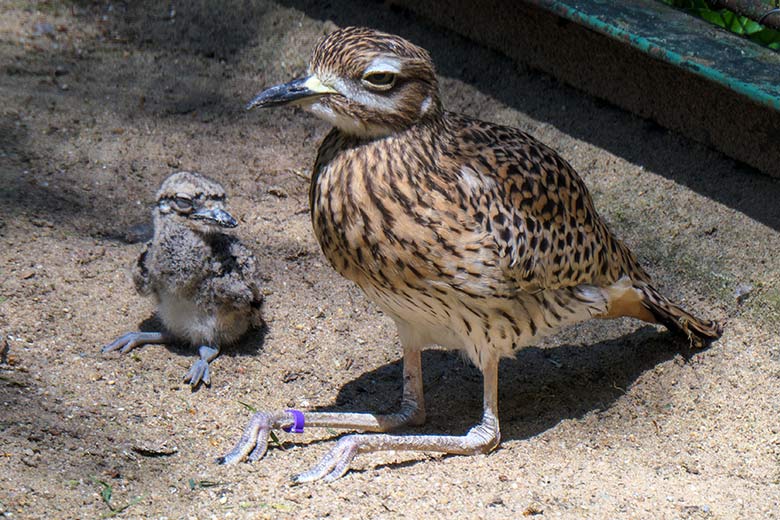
<point>200,370</point>
<point>254,442</point>
<point>483,438</point>
<point>129,341</point>
<point>334,464</point>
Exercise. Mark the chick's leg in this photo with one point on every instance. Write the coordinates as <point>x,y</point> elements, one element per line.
<point>129,341</point>
<point>200,370</point>
<point>254,442</point>
<point>482,438</point>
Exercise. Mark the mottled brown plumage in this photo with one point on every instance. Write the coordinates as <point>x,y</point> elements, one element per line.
<point>470,235</point>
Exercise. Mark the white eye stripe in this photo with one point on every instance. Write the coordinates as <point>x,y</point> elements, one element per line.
<point>386,64</point>
<point>362,96</point>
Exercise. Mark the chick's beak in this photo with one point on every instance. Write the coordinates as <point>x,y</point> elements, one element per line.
<point>217,216</point>
<point>293,92</point>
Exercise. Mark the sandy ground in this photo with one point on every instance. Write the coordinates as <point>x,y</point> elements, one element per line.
<point>606,420</point>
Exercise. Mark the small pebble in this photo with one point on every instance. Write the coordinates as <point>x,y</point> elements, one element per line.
<point>43,28</point>
<point>743,292</point>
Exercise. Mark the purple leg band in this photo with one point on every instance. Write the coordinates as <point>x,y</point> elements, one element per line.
<point>297,426</point>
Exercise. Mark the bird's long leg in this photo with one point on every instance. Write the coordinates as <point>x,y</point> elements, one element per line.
<point>129,341</point>
<point>482,438</point>
<point>254,441</point>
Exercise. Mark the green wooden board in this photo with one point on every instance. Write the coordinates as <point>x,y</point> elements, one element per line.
<point>682,40</point>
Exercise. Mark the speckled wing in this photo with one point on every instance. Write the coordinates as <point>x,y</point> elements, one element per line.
<point>249,272</point>
<point>537,209</point>
<point>141,276</point>
<point>237,284</point>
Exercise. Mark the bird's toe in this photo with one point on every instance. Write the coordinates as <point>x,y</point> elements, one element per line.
<point>253,443</point>
<point>334,464</point>
<point>121,343</point>
<point>198,373</point>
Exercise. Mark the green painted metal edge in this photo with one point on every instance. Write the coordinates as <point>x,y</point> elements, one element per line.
<point>681,40</point>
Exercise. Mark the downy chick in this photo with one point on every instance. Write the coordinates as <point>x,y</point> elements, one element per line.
<point>204,280</point>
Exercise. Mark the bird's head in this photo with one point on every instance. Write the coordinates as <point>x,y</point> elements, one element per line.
<point>190,199</point>
<point>364,82</point>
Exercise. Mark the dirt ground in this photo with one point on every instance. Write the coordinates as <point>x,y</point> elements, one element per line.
<point>616,419</point>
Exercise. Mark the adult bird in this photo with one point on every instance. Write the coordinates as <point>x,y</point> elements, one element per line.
<point>468,234</point>
<point>204,281</point>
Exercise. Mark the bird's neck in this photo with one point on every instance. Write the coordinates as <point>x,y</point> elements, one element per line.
<point>166,230</point>
<point>431,125</point>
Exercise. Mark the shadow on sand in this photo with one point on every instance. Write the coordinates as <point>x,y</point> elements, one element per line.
<point>538,389</point>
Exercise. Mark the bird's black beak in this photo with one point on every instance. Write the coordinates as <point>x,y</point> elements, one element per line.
<point>217,216</point>
<point>293,92</point>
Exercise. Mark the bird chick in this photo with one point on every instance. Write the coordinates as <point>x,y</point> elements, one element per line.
<point>203,280</point>
<point>468,234</point>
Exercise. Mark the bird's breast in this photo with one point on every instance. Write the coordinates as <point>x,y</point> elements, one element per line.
<point>385,217</point>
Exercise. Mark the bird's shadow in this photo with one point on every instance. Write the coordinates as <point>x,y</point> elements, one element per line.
<point>538,389</point>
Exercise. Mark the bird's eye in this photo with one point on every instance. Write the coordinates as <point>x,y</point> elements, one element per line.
<point>183,204</point>
<point>379,80</point>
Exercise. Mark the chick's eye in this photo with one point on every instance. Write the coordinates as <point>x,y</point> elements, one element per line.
<point>379,80</point>
<point>183,204</point>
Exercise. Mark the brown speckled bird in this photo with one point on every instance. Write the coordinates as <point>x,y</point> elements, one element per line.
<point>205,281</point>
<point>470,235</point>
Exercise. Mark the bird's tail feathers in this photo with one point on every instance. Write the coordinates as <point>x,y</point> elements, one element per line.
<point>699,332</point>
